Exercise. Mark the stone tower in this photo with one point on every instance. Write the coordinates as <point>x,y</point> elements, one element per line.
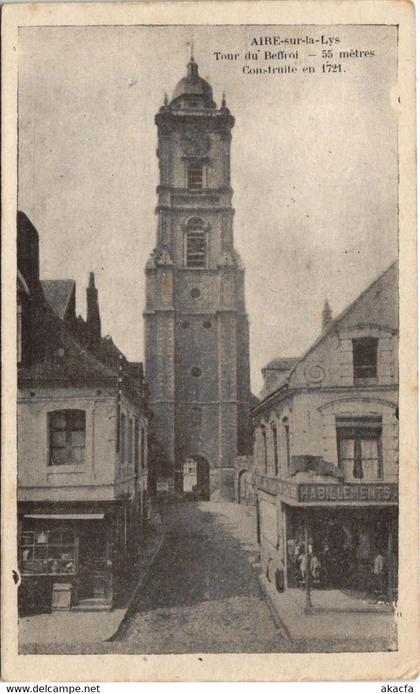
<point>196,327</point>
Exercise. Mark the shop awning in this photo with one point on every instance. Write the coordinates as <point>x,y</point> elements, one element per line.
<point>66,516</point>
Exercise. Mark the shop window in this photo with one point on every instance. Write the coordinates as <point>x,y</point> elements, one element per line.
<point>195,175</point>
<point>275,449</point>
<point>287,440</point>
<point>365,360</point>
<point>67,431</point>
<point>48,551</point>
<point>360,448</point>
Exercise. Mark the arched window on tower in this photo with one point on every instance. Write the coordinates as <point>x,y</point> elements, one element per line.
<point>195,244</point>
<point>194,175</point>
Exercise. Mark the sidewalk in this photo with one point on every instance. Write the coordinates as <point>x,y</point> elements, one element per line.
<point>55,628</point>
<point>338,622</point>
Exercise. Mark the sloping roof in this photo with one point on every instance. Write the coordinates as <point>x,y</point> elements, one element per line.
<point>376,285</point>
<point>381,280</point>
<point>58,294</point>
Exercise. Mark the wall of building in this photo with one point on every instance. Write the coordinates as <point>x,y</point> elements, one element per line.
<point>312,426</point>
<point>96,478</point>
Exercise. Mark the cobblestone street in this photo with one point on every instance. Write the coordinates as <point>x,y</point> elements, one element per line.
<point>203,594</point>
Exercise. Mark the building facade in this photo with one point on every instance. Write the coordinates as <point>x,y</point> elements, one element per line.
<point>326,452</point>
<point>196,326</point>
<point>82,446</point>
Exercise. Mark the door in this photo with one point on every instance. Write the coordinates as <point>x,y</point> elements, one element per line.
<point>93,575</point>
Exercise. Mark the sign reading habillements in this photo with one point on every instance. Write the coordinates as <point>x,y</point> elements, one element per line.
<point>333,493</point>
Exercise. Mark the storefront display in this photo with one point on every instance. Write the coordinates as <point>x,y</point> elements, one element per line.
<point>347,548</point>
<point>85,549</point>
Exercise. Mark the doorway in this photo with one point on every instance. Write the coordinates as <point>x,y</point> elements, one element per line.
<point>243,487</point>
<point>93,574</point>
<point>196,478</point>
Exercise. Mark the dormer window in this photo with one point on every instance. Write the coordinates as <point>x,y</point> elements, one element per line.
<point>195,175</point>
<point>365,360</point>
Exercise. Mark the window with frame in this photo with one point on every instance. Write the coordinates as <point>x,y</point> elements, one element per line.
<point>130,442</point>
<point>52,551</point>
<point>275,449</point>
<point>67,433</point>
<point>286,428</point>
<point>264,439</point>
<point>195,175</point>
<point>196,246</point>
<point>365,360</point>
<point>123,438</point>
<point>359,446</point>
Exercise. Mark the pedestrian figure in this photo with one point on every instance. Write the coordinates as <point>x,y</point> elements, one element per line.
<point>315,569</point>
<point>378,572</point>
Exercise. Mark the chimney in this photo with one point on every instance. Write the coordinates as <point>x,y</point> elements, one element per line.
<point>326,316</point>
<point>93,318</point>
<point>28,250</point>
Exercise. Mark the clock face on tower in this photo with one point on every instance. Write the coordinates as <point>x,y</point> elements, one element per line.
<point>195,143</point>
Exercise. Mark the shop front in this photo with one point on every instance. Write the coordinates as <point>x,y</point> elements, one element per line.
<point>353,548</point>
<point>333,535</point>
<point>71,559</point>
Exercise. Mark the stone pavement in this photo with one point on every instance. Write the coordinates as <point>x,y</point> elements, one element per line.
<point>203,595</point>
<point>339,622</point>
<point>202,592</point>
<point>45,633</point>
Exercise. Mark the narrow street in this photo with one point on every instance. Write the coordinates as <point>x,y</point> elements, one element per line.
<point>203,593</point>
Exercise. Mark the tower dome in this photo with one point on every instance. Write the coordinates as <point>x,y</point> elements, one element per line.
<point>193,91</point>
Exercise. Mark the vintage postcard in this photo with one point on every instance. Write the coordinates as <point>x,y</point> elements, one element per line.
<point>209,341</point>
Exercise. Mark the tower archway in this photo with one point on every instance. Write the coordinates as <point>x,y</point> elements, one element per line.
<point>196,478</point>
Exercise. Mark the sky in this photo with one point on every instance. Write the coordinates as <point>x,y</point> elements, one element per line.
<point>314,169</point>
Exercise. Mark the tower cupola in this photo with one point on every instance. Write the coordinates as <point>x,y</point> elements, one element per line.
<point>192,91</point>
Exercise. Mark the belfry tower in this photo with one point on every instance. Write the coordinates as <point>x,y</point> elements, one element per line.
<point>196,327</point>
